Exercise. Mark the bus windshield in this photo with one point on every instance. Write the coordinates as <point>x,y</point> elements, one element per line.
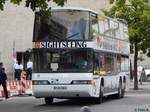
<point>63,60</point>
<point>62,25</point>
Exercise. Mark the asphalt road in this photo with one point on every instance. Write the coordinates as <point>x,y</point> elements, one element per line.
<point>133,102</point>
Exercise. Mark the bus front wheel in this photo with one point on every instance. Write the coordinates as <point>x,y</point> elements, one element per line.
<point>123,90</point>
<point>48,100</point>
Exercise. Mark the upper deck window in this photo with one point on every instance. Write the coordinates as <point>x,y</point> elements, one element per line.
<point>62,25</point>
<point>94,28</point>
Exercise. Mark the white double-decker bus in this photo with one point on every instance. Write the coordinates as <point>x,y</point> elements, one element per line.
<point>78,53</point>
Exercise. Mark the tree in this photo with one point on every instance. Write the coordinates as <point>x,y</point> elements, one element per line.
<point>41,5</point>
<point>137,13</point>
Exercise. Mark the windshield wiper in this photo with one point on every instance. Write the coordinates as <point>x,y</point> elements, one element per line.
<point>72,35</point>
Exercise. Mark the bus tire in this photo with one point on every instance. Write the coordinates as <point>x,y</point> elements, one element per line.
<point>48,100</point>
<point>120,92</point>
<point>99,100</point>
<point>123,90</point>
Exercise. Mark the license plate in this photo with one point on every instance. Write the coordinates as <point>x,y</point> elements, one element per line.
<point>60,87</point>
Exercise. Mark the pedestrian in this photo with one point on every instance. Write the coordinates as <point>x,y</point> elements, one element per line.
<point>29,69</point>
<point>143,76</point>
<point>18,70</point>
<point>139,74</point>
<point>3,78</point>
<point>15,69</point>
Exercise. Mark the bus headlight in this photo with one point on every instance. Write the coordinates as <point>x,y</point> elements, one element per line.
<point>40,82</point>
<point>81,82</point>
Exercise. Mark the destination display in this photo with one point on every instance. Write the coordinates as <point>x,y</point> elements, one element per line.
<point>103,43</point>
<point>62,44</point>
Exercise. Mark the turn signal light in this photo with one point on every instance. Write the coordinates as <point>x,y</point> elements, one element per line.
<point>81,82</point>
<point>40,82</point>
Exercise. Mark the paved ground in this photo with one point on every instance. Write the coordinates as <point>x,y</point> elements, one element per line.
<point>134,101</point>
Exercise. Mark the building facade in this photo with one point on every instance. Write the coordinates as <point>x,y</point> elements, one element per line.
<point>16,29</point>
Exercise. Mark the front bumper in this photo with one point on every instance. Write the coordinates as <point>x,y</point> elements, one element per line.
<point>62,91</point>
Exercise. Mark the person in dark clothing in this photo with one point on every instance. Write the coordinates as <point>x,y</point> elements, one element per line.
<point>3,78</point>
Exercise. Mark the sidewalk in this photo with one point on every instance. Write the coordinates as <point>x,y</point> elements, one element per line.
<point>144,88</point>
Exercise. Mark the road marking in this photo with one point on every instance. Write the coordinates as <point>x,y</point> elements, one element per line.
<point>48,111</point>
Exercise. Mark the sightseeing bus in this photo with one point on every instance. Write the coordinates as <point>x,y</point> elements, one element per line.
<point>78,53</point>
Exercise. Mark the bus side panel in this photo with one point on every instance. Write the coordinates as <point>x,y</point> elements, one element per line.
<point>96,86</point>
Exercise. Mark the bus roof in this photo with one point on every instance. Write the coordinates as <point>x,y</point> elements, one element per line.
<point>72,8</point>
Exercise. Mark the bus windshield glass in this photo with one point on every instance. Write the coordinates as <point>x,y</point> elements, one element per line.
<point>62,25</point>
<point>63,60</point>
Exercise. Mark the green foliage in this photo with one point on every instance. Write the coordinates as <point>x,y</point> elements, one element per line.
<point>111,1</point>
<point>137,13</point>
<point>34,4</point>
<point>59,2</point>
<point>2,2</point>
<point>15,1</point>
<point>146,1</point>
